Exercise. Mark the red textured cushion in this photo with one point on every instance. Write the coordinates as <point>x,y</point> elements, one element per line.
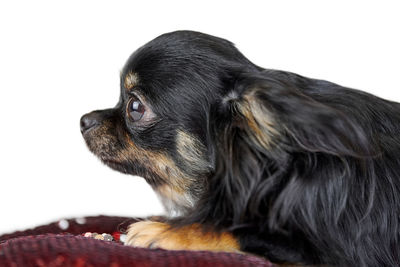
<point>48,246</point>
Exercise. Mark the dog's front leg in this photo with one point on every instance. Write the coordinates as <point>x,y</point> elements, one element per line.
<point>151,234</point>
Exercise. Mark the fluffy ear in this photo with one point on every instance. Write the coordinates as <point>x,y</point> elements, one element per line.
<point>275,113</point>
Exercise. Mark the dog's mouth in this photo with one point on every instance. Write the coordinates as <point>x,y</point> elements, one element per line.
<point>107,150</point>
<point>104,148</point>
<point>113,153</point>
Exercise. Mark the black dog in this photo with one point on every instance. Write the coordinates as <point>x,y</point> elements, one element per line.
<point>248,159</point>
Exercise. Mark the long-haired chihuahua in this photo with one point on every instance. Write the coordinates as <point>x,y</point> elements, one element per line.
<point>253,160</point>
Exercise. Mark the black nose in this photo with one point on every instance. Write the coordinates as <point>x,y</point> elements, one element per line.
<point>89,121</point>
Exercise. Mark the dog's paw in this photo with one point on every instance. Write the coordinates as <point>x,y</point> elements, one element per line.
<point>149,234</point>
<point>146,234</point>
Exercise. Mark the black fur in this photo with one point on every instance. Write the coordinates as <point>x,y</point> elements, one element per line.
<point>326,188</point>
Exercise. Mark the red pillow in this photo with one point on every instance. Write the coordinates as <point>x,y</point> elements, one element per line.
<point>62,244</point>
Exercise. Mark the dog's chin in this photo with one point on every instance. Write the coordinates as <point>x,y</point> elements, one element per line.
<point>116,166</point>
<point>104,156</point>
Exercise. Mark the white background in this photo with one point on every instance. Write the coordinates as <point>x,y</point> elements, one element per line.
<point>61,59</point>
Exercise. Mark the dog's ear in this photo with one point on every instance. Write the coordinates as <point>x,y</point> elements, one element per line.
<point>275,113</point>
<point>256,130</point>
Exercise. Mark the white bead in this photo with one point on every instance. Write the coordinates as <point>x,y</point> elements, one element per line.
<point>63,224</point>
<point>122,238</point>
<point>80,220</point>
<point>88,234</point>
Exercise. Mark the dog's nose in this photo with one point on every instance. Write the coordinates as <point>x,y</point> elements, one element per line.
<point>89,121</point>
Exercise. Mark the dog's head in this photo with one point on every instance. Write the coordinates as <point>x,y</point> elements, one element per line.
<point>195,116</point>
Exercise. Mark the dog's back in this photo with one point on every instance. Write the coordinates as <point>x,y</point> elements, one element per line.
<point>357,214</point>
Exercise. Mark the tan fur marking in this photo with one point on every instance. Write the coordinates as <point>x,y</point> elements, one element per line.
<point>157,162</point>
<point>188,147</point>
<point>131,80</point>
<point>192,151</point>
<point>174,191</point>
<point>159,235</point>
<point>259,120</point>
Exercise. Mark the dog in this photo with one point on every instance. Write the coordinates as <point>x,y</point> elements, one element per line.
<point>253,160</point>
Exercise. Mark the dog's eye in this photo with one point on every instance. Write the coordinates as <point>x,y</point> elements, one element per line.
<point>135,109</point>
